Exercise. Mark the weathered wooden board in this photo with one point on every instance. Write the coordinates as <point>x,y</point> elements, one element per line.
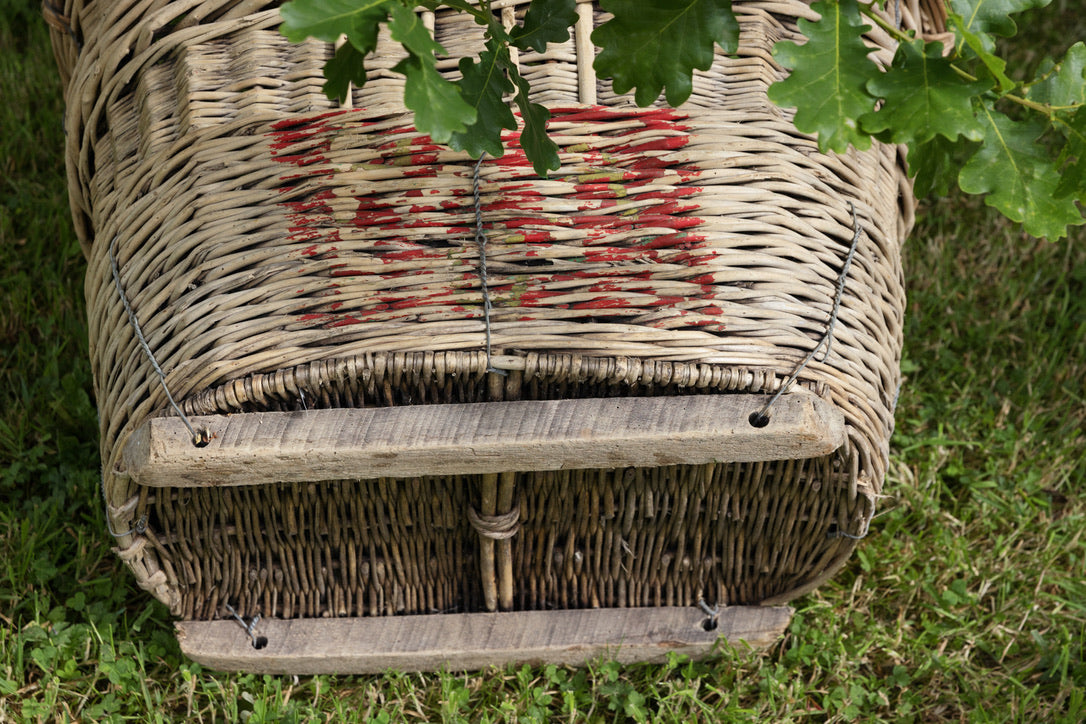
<point>489,437</point>
<point>473,641</point>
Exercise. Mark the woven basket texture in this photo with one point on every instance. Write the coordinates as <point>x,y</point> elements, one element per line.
<point>282,252</point>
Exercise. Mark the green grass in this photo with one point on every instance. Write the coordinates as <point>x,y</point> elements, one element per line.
<point>967,601</point>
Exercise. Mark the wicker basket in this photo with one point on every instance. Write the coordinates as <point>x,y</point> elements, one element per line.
<point>526,418</point>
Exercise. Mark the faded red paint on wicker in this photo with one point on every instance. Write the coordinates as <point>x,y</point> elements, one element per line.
<point>512,212</point>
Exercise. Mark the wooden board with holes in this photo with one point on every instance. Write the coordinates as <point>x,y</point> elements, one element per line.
<point>487,437</point>
<point>474,641</point>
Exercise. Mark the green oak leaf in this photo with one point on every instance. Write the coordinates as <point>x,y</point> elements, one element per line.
<point>461,5</point>
<point>828,83</point>
<point>923,96</point>
<point>984,17</point>
<point>406,28</point>
<point>328,19</point>
<point>1073,156</point>
<point>982,46</point>
<point>1065,84</point>
<point>345,67</point>
<point>537,145</point>
<point>440,110</point>
<point>655,45</point>
<point>547,21</point>
<point>1063,88</point>
<point>1019,176</point>
<point>932,166</point>
<point>484,86</point>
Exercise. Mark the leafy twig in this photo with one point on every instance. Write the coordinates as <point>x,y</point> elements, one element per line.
<point>940,102</point>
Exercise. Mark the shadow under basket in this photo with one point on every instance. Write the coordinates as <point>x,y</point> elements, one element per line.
<point>367,402</point>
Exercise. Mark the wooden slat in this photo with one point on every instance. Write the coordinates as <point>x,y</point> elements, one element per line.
<point>473,641</point>
<point>489,437</point>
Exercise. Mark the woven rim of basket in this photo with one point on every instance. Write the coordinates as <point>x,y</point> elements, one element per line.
<point>74,23</point>
<point>360,380</point>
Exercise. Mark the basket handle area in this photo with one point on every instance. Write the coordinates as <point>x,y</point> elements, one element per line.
<point>472,641</point>
<point>485,437</point>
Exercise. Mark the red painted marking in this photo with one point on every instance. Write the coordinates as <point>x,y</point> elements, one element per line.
<point>516,204</point>
<point>304,208</point>
<point>599,255</point>
<point>631,164</point>
<point>667,221</point>
<point>655,117</point>
<point>308,121</point>
<point>690,259</point>
<point>526,188</point>
<point>666,241</point>
<point>518,222</point>
<point>668,301</point>
<point>533,299</point>
<point>346,320</point>
<point>641,176</point>
<point>532,237</point>
<point>606,287</point>
<point>382,218</point>
<point>430,300</point>
<point>413,254</point>
<point>514,156</point>
<point>419,159</point>
<point>667,143</point>
<point>304,233</point>
<point>607,303</point>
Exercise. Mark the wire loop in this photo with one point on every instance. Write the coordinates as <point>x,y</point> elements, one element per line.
<point>480,241</point>
<point>761,418</point>
<point>199,439</point>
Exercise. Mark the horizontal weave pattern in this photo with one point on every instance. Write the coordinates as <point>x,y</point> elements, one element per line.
<point>665,537</point>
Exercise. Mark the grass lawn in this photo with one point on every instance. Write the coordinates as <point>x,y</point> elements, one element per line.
<point>967,601</point>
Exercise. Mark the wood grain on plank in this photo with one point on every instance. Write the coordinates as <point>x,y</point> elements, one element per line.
<point>475,640</point>
<point>489,437</point>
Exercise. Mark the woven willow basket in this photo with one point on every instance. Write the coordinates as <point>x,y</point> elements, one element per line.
<point>574,470</point>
